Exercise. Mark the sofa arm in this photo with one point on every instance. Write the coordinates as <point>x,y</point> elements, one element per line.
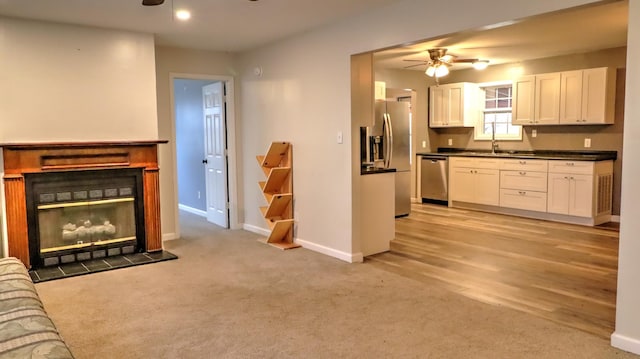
<point>26,330</point>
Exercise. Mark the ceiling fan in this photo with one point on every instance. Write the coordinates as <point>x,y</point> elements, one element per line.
<point>439,62</point>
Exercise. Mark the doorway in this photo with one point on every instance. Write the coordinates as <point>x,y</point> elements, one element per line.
<point>204,147</point>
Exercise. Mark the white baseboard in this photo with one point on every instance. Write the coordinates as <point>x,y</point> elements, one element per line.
<point>169,236</point>
<point>344,256</point>
<point>192,210</point>
<point>615,219</point>
<point>256,230</point>
<point>625,343</point>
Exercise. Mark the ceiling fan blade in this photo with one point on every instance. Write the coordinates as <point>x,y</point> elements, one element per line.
<point>410,66</point>
<point>152,2</point>
<point>423,61</point>
<point>465,60</point>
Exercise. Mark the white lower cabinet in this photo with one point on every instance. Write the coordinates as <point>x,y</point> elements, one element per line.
<point>523,184</point>
<point>581,189</point>
<point>570,194</point>
<point>554,189</point>
<point>474,180</point>
<point>527,200</point>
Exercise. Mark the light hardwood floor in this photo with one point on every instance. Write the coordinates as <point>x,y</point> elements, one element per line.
<point>564,273</point>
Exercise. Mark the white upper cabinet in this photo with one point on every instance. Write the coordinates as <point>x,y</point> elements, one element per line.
<point>380,91</point>
<point>454,105</point>
<point>570,97</point>
<point>588,96</point>
<point>536,99</point>
<point>523,100</point>
<point>598,95</point>
<point>547,99</point>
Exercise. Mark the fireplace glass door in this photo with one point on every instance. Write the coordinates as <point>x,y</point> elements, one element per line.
<point>85,215</point>
<point>85,223</point>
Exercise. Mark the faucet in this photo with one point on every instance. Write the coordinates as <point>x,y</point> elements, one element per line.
<point>494,143</point>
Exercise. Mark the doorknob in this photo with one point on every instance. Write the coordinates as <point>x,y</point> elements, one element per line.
<point>205,161</point>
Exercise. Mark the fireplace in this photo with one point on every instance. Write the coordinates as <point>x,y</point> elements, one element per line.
<point>81,215</point>
<point>68,202</point>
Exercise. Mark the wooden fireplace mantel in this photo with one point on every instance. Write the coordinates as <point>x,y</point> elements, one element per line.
<point>38,157</point>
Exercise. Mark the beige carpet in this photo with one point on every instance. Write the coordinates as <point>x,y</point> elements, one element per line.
<point>229,296</point>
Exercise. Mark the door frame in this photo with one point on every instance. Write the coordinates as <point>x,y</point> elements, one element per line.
<point>232,168</point>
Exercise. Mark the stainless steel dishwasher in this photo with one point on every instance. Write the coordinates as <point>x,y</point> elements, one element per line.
<point>434,182</point>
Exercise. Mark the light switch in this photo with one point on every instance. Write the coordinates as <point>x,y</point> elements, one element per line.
<point>339,137</point>
<point>534,133</point>
<point>587,142</point>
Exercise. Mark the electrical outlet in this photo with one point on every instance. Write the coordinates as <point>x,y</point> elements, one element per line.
<point>198,194</point>
<point>424,144</point>
<point>450,142</point>
<point>587,142</point>
<point>534,133</point>
<point>339,137</point>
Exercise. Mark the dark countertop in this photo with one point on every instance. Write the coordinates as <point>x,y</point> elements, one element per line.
<point>534,154</point>
<point>370,171</point>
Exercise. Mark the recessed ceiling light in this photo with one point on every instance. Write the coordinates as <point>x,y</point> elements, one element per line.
<point>183,15</point>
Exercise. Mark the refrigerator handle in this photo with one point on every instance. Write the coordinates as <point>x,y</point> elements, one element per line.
<point>389,138</point>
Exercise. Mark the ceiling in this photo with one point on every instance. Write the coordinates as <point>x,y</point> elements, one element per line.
<point>221,25</point>
<point>580,30</point>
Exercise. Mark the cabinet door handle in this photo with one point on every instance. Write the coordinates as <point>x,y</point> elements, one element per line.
<point>522,173</point>
<point>570,164</point>
<point>522,193</point>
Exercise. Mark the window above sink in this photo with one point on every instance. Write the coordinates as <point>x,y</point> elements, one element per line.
<point>496,105</point>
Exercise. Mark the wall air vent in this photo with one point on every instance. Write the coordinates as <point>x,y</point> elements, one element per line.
<point>604,194</point>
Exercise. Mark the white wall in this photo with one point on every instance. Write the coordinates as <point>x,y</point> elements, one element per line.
<point>627,334</point>
<point>303,96</point>
<point>71,83</point>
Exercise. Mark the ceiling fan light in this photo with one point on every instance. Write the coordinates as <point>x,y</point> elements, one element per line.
<point>442,70</point>
<point>430,71</point>
<point>446,58</point>
<point>480,64</point>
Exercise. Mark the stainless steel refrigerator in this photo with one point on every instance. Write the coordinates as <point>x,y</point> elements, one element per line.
<point>391,132</point>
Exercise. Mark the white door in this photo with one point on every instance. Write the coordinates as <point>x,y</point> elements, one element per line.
<point>547,98</point>
<point>215,154</point>
<point>523,100</point>
<point>487,186</point>
<point>558,193</point>
<point>581,196</point>
<point>571,97</point>
<point>462,184</point>
<point>438,107</point>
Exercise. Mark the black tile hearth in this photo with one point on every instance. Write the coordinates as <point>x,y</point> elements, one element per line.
<point>98,265</point>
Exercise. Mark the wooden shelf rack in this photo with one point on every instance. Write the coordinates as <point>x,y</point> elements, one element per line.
<point>278,191</point>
